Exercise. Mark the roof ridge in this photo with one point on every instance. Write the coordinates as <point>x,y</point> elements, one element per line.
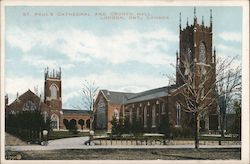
<point>118,91</point>
<point>139,94</point>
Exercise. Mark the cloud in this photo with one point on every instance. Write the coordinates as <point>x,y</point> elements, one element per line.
<point>231,36</point>
<point>41,62</point>
<point>21,85</point>
<point>148,47</point>
<point>129,82</point>
<point>14,36</point>
<point>28,38</point>
<point>68,97</point>
<point>38,61</point>
<point>74,45</point>
<point>117,81</point>
<point>228,50</point>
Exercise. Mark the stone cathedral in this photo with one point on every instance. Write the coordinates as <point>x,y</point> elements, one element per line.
<point>150,108</point>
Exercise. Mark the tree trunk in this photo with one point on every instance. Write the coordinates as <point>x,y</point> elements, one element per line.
<point>222,127</point>
<point>197,130</point>
<point>90,130</point>
<point>91,124</point>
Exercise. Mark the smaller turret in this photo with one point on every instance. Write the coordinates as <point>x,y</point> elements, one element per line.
<point>180,21</point>
<point>195,18</point>
<point>211,19</point>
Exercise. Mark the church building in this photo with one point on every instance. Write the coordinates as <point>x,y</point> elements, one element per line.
<point>51,105</point>
<point>151,107</point>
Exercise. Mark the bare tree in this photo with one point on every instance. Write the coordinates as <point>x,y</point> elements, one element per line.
<point>228,87</point>
<point>207,85</point>
<point>197,93</point>
<point>90,91</point>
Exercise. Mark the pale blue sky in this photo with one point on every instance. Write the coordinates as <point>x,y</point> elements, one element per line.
<point>119,55</point>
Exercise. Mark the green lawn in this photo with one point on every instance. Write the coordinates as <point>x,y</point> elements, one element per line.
<point>128,154</point>
<point>65,134</point>
<point>202,138</point>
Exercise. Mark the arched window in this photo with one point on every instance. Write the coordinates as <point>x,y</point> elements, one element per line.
<point>153,116</point>
<point>88,123</point>
<point>66,123</point>
<point>45,116</point>
<point>54,121</point>
<point>81,123</point>
<point>29,106</point>
<point>178,114</point>
<point>130,115</point>
<point>145,116</point>
<point>163,108</point>
<point>53,91</point>
<point>73,122</point>
<point>101,114</point>
<point>202,53</point>
<point>137,113</point>
<point>116,114</point>
<point>202,56</point>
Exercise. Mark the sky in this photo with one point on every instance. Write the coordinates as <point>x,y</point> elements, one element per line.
<point>119,48</point>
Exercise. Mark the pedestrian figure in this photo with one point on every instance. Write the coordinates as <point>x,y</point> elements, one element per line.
<point>45,138</point>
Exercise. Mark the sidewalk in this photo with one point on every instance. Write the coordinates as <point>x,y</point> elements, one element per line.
<point>78,143</point>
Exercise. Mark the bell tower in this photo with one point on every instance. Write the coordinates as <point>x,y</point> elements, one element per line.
<point>196,62</point>
<point>195,46</point>
<point>53,94</point>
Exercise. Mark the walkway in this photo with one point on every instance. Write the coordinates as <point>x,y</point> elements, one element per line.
<point>78,143</point>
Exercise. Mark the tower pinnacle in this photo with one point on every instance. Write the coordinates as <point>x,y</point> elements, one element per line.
<point>180,21</point>
<point>194,12</point>
<point>195,18</point>
<point>211,18</point>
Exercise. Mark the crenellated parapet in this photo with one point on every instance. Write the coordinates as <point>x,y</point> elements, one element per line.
<point>54,74</point>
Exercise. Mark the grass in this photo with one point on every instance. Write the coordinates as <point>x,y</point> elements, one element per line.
<point>211,138</point>
<point>208,138</point>
<point>202,138</point>
<point>129,154</point>
<point>65,134</point>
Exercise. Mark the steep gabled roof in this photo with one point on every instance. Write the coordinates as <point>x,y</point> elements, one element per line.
<point>28,95</point>
<point>150,94</point>
<point>125,98</point>
<point>24,97</point>
<point>116,97</point>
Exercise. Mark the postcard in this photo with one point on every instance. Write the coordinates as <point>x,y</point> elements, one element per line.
<point>143,81</point>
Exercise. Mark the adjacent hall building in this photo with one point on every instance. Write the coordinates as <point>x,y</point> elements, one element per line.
<point>51,105</point>
<point>151,107</point>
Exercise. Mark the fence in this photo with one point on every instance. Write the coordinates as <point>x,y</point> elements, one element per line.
<point>152,140</point>
<point>155,142</point>
<point>142,140</point>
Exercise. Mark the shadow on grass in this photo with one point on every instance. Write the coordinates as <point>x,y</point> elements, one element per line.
<point>128,154</point>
